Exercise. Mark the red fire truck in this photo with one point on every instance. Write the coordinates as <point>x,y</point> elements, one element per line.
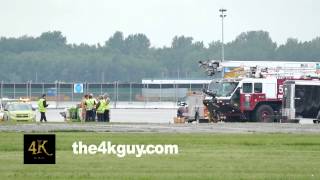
<point>256,94</point>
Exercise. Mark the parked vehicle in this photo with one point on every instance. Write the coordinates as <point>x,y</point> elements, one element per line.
<point>19,112</point>
<point>301,101</point>
<point>193,108</point>
<point>252,93</point>
<point>255,99</point>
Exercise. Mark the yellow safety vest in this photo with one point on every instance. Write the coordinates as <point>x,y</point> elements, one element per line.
<point>41,106</point>
<point>89,104</point>
<point>102,106</point>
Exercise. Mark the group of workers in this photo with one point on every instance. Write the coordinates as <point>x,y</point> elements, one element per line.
<point>92,108</point>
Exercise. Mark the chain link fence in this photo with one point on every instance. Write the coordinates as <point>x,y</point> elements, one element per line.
<point>118,91</point>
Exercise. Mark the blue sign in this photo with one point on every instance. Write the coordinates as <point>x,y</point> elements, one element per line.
<point>227,69</point>
<point>52,92</point>
<point>78,88</point>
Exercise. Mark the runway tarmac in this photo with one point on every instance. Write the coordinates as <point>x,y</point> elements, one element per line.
<point>125,115</point>
<point>164,128</point>
<point>153,120</point>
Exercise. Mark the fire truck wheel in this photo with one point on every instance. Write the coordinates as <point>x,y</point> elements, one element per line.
<point>264,113</point>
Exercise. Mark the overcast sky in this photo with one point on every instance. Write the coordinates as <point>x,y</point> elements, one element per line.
<point>94,21</point>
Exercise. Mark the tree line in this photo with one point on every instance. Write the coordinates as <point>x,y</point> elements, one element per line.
<point>49,58</point>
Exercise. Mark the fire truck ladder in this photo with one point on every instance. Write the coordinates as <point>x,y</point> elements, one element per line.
<point>301,72</point>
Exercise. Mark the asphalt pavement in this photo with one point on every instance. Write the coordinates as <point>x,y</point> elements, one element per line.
<point>125,115</point>
<point>164,127</point>
<point>152,121</point>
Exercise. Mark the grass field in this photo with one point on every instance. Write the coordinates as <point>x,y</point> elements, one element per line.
<point>201,156</point>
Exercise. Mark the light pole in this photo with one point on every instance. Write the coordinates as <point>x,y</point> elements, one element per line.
<point>222,15</point>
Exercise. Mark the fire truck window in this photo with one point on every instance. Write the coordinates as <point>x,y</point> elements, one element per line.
<point>247,88</point>
<point>236,97</point>
<point>258,87</point>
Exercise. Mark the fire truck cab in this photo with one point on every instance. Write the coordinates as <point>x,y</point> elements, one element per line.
<point>256,99</point>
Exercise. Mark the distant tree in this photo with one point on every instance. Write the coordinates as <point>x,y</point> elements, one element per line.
<point>290,50</point>
<point>137,44</point>
<point>21,44</point>
<point>116,41</point>
<point>314,49</point>
<point>181,42</point>
<point>214,50</point>
<point>132,58</point>
<point>53,39</point>
<point>252,45</point>
<point>198,45</point>
<point>299,51</point>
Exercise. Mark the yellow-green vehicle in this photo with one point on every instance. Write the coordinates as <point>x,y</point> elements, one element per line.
<point>19,112</point>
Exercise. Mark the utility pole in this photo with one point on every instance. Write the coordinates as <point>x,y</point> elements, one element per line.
<point>222,15</point>
<point>102,76</point>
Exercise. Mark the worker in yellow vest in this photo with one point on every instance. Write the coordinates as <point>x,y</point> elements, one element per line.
<point>101,107</point>
<point>89,104</point>
<point>107,108</point>
<point>42,106</point>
